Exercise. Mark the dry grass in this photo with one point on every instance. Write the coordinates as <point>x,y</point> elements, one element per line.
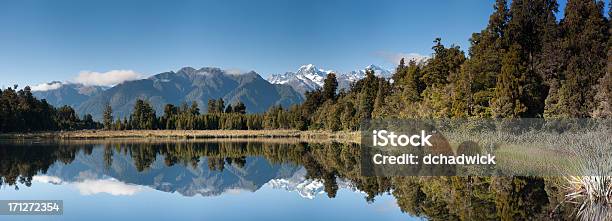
<point>170,135</point>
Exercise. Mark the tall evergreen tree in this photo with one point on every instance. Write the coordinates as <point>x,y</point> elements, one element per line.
<point>220,105</point>
<point>479,75</point>
<point>143,116</point>
<point>108,117</point>
<point>506,102</point>
<point>413,85</point>
<point>367,96</point>
<point>382,91</point>
<point>443,62</point>
<point>437,74</point>
<point>194,109</point>
<point>531,24</point>
<point>603,98</point>
<point>229,109</point>
<point>313,100</point>
<point>240,108</point>
<point>330,86</point>
<point>400,71</point>
<point>212,106</point>
<point>67,118</point>
<point>585,37</point>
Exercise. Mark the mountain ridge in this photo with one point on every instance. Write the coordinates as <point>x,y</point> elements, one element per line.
<point>189,84</point>
<point>309,77</point>
<point>185,85</point>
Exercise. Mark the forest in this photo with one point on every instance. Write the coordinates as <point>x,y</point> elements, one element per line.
<point>20,111</point>
<point>526,63</point>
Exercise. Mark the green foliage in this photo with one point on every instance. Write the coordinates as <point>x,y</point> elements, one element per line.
<point>229,109</point>
<point>143,117</point>
<point>367,95</point>
<point>522,64</point>
<point>506,102</point>
<point>330,86</point>
<point>216,106</point>
<point>443,62</point>
<point>439,77</point>
<point>603,98</point>
<point>413,85</point>
<point>585,37</point>
<point>240,108</point>
<point>532,24</point>
<point>475,86</point>
<point>20,111</point>
<point>107,117</point>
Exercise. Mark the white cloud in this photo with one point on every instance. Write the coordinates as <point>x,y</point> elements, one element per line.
<point>92,186</point>
<point>46,86</point>
<point>108,78</point>
<point>395,58</point>
<point>109,186</point>
<point>47,179</point>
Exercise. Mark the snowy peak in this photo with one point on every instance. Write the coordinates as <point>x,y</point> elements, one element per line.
<point>309,77</point>
<point>306,78</point>
<point>306,188</point>
<point>378,71</point>
<point>313,74</point>
<point>359,74</point>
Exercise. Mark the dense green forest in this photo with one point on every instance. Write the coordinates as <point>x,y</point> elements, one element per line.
<point>21,111</point>
<point>525,64</point>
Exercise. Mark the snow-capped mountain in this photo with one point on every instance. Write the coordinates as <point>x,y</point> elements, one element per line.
<point>309,77</point>
<point>345,80</point>
<point>359,74</point>
<point>306,188</point>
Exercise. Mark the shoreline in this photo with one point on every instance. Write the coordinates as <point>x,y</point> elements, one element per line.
<point>318,135</point>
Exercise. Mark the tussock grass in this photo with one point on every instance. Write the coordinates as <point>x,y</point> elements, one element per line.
<point>178,135</point>
<point>582,158</point>
<point>592,196</point>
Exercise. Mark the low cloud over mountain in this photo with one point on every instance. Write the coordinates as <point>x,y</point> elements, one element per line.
<point>108,78</point>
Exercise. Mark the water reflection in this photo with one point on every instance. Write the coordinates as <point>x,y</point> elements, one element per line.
<point>216,168</point>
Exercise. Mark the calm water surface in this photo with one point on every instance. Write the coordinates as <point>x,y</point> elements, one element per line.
<point>251,180</point>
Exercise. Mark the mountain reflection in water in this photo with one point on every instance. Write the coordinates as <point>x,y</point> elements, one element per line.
<point>215,168</point>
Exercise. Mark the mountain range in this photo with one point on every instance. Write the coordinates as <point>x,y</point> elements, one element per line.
<point>188,180</point>
<point>309,77</point>
<point>189,84</point>
<point>90,175</point>
<point>72,94</point>
<point>186,85</point>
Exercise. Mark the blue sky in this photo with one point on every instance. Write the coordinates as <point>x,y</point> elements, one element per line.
<point>42,41</point>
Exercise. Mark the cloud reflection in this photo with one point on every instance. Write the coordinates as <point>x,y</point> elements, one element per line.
<point>95,186</point>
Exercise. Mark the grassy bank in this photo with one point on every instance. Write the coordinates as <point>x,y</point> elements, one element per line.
<point>340,136</point>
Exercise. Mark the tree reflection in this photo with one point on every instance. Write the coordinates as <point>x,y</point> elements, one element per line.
<point>435,198</point>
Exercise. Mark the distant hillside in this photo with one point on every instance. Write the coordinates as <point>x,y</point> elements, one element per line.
<point>188,85</point>
<point>185,85</point>
<point>187,180</point>
<point>58,94</point>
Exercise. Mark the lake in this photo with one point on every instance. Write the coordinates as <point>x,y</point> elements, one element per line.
<point>253,180</point>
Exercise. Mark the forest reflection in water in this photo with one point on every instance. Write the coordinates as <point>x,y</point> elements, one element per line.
<point>435,198</point>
